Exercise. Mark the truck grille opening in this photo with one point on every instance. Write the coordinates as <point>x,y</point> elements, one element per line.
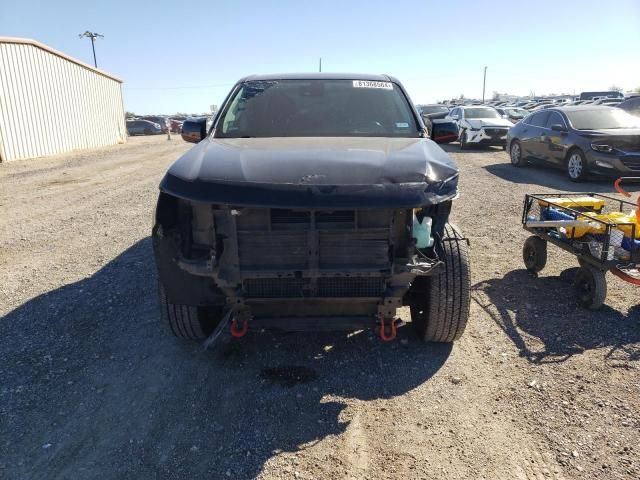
<point>338,219</point>
<point>289,219</point>
<point>282,240</point>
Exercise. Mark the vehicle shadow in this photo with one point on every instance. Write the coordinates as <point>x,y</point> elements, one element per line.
<point>93,387</point>
<point>455,148</point>
<point>537,173</point>
<point>548,326</point>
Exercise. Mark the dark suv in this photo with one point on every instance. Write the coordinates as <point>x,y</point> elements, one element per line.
<point>313,202</point>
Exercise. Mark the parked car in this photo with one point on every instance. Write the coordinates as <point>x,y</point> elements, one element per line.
<point>632,106</point>
<point>162,121</point>
<point>480,126</point>
<point>441,127</point>
<point>542,106</point>
<point>142,127</point>
<point>579,139</point>
<point>604,94</point>
<point>512,113</point>
<point>608,101</point>
<point>175,125</point>
<point>297,210</point>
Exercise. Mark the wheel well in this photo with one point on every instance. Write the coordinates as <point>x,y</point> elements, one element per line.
<point>570,151</point>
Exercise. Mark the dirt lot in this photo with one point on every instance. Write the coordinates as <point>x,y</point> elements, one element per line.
<point>91,387</point>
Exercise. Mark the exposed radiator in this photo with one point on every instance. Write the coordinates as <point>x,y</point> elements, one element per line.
<point>281,240</point>
<point>346,244</point>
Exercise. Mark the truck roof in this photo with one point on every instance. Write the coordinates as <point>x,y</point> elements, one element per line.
<point>319,76</point>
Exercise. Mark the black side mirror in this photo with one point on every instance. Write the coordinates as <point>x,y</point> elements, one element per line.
<point>194,129</point>
<point>556,127</point>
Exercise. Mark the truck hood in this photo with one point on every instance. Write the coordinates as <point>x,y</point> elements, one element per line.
<point>489,122</point>
<point>316,164</point>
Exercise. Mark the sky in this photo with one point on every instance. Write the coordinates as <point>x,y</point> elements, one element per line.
<point>181,56</point>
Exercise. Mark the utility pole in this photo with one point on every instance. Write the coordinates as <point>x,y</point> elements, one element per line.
<point>484,82</point>
<point>320,66</point>
<point>92,36</point>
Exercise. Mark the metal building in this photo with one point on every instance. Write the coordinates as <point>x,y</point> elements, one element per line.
<point>51,103</point>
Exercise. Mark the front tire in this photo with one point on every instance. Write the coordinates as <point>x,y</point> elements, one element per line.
<point>188,322</point>
<point>440,303</point>
<point>515,153</point>
<point>463,139</point>
<point>576,166</point>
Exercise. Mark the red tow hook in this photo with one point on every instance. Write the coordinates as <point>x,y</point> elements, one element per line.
<point>239,331</point>
<point>387,329</point>
<point>622,191</point>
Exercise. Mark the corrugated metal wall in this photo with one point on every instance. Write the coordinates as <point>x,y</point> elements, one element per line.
<point>49,104</point>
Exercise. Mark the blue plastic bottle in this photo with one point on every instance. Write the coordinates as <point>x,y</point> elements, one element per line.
<point>422,232</point>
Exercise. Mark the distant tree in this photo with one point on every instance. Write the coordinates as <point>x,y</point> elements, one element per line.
<point>129,115</point>
<point>495,96</point>
<point>462,96</point>
<point>637,90</point>
<point>615,88</point>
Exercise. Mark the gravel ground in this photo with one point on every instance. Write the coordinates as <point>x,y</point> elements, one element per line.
<point>91,387</point>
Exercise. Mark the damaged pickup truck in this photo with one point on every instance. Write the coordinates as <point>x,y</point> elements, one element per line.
<point>314,201</point>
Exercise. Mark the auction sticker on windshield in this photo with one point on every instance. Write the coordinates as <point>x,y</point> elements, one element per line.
<point>372,84</point>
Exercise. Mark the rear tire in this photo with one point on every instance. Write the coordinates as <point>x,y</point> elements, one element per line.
<point>440,303</point>
<point>534,253</point>
<point>187,321</point>
<point>591,287</point>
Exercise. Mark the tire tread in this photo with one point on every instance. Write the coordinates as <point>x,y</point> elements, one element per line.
<point>183,321</point>
<point>445,299</point>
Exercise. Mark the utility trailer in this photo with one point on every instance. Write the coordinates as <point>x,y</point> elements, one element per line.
<point>600,230</point>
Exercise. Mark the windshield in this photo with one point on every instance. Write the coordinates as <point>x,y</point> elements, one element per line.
<point>480,113</point>
<point>602,118</point>
<point>317,108</point>
<point>428,109</point>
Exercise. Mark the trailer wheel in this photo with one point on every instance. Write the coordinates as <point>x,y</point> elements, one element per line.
<point>440,304</point>
<point>591,287</point>
<point>188,321</point>
<point>534,253</point>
